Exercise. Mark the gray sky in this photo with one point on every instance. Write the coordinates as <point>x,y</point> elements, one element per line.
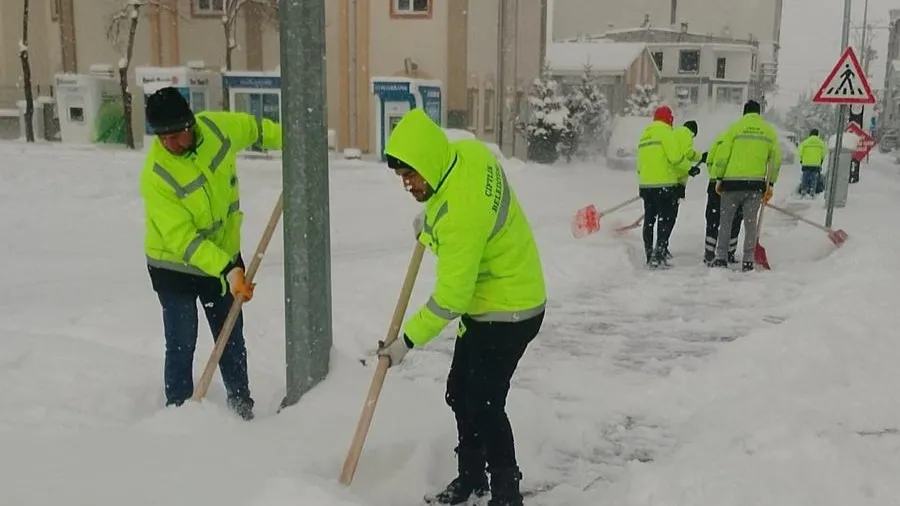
<point>811,43</point>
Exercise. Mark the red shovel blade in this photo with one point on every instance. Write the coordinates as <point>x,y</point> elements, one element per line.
<point>838,237</point>
<point>586,221</point>
<point>760,257</point>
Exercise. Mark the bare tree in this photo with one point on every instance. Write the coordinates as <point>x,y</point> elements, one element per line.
<point>26,77</point>
<point>232,8</point>
<point>123,24</point>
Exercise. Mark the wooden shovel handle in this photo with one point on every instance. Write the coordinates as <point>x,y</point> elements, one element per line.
<point>368,411</point>
<point>225,334</point>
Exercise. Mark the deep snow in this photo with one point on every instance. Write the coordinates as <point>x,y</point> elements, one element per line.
<point>686,386</point>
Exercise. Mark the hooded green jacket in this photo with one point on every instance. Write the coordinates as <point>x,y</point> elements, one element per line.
<point>488,265</point>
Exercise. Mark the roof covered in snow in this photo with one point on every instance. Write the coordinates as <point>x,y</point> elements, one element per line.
<point>602,55</point>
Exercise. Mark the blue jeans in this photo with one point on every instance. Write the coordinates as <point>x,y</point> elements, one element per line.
<point>809,180</point>
<point>180,322</point>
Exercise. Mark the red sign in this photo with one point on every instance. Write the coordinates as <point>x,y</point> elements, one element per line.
<point>864,144</point>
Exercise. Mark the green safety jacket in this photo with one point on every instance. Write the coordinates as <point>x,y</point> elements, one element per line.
<point>714,173</point>
<point>488,265</point>
<point>749,149</point>
<point>685,139</point>
<point>660,158</point>
<point>812,151</point>
<point>192,202</point>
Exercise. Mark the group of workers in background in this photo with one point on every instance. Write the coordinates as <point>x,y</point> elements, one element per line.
<point>743,162</point>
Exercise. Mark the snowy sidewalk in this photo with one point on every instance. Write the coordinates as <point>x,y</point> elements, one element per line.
<point>635,375</point>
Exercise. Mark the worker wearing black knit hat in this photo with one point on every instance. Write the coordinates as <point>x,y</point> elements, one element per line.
<point>193,241</point>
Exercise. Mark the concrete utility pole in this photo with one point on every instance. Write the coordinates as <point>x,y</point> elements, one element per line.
<point>507,78</point>
<point>307,252</point>
<point>841,125</point>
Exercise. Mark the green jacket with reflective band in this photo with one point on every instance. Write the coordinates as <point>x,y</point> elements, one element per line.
<point>812,151</point>
<point>488,265</point>
<point>714,173</point>
<point>660,159</point>
<point>192,201</point>
<point>685,139</point>
<point>749,147</point>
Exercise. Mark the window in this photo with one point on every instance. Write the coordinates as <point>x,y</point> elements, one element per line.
<point>208,7</point>
<point>411,8</point>
<point>489,110</point>
<point>687,94</point>
<point>720,68</point>
<point>658,60</point>
<point>689,61</point>
<point>753,62</point>
<point>729,95</point>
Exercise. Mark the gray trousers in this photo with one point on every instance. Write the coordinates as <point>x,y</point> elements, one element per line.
<point>748,202</point>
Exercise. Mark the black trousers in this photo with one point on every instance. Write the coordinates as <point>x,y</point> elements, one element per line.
<point>713,203</point>
<point>180,322</point>
<point>660,208</point>
<point>484,359</point>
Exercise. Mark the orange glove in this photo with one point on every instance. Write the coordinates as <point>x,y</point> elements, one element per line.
<point>768,196</point>
<point>238,285</point>
<point>719,188</point>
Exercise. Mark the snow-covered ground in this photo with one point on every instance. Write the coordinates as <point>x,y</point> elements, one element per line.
<point>686,386</point>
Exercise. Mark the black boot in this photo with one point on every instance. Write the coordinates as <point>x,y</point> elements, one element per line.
<point>505,487</point>
<point>719,263</point>
<point>659,255</point>
<point>243,407</point>
<point>472,479</point>
<point>747,266</point>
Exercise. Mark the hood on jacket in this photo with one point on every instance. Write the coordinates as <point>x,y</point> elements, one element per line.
<point>421,144</point>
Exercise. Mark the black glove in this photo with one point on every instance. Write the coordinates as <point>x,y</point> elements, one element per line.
<point>694,171</point>
<point>703,157</point>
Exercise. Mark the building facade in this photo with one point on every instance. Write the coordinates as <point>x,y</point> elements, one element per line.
<point>698,69</point>
<point>759,22</point>
<point>617,67</point>
<point>455,42</point>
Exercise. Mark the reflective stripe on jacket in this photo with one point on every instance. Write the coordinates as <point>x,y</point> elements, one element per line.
<point>488,265</point>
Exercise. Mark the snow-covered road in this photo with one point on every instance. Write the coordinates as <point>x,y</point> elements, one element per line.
<point>635,375</point>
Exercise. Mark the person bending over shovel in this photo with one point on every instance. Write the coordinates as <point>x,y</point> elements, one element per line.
<point>189,184</point>
<point>489,274</point>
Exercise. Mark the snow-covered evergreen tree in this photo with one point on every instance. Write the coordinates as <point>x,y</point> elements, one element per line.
<point>806,115</point>
<point>587,120</point>
<point>547,122</point>
<point>642,102</point>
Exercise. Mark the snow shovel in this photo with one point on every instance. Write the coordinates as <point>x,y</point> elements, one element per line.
<point>587,220</point>
<point>760,257</point>
<point>837,237</point>
<point>225,334</point>
<point>631,226</point>
<point>365,419</point>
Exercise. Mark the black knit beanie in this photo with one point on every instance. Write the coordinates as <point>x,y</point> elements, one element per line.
<point>167,111</point>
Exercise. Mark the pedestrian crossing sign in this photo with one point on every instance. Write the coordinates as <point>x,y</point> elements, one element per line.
<point>846,83</point>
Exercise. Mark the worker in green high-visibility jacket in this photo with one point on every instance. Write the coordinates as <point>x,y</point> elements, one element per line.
<point>189,184</point>
<point>489,275</point>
